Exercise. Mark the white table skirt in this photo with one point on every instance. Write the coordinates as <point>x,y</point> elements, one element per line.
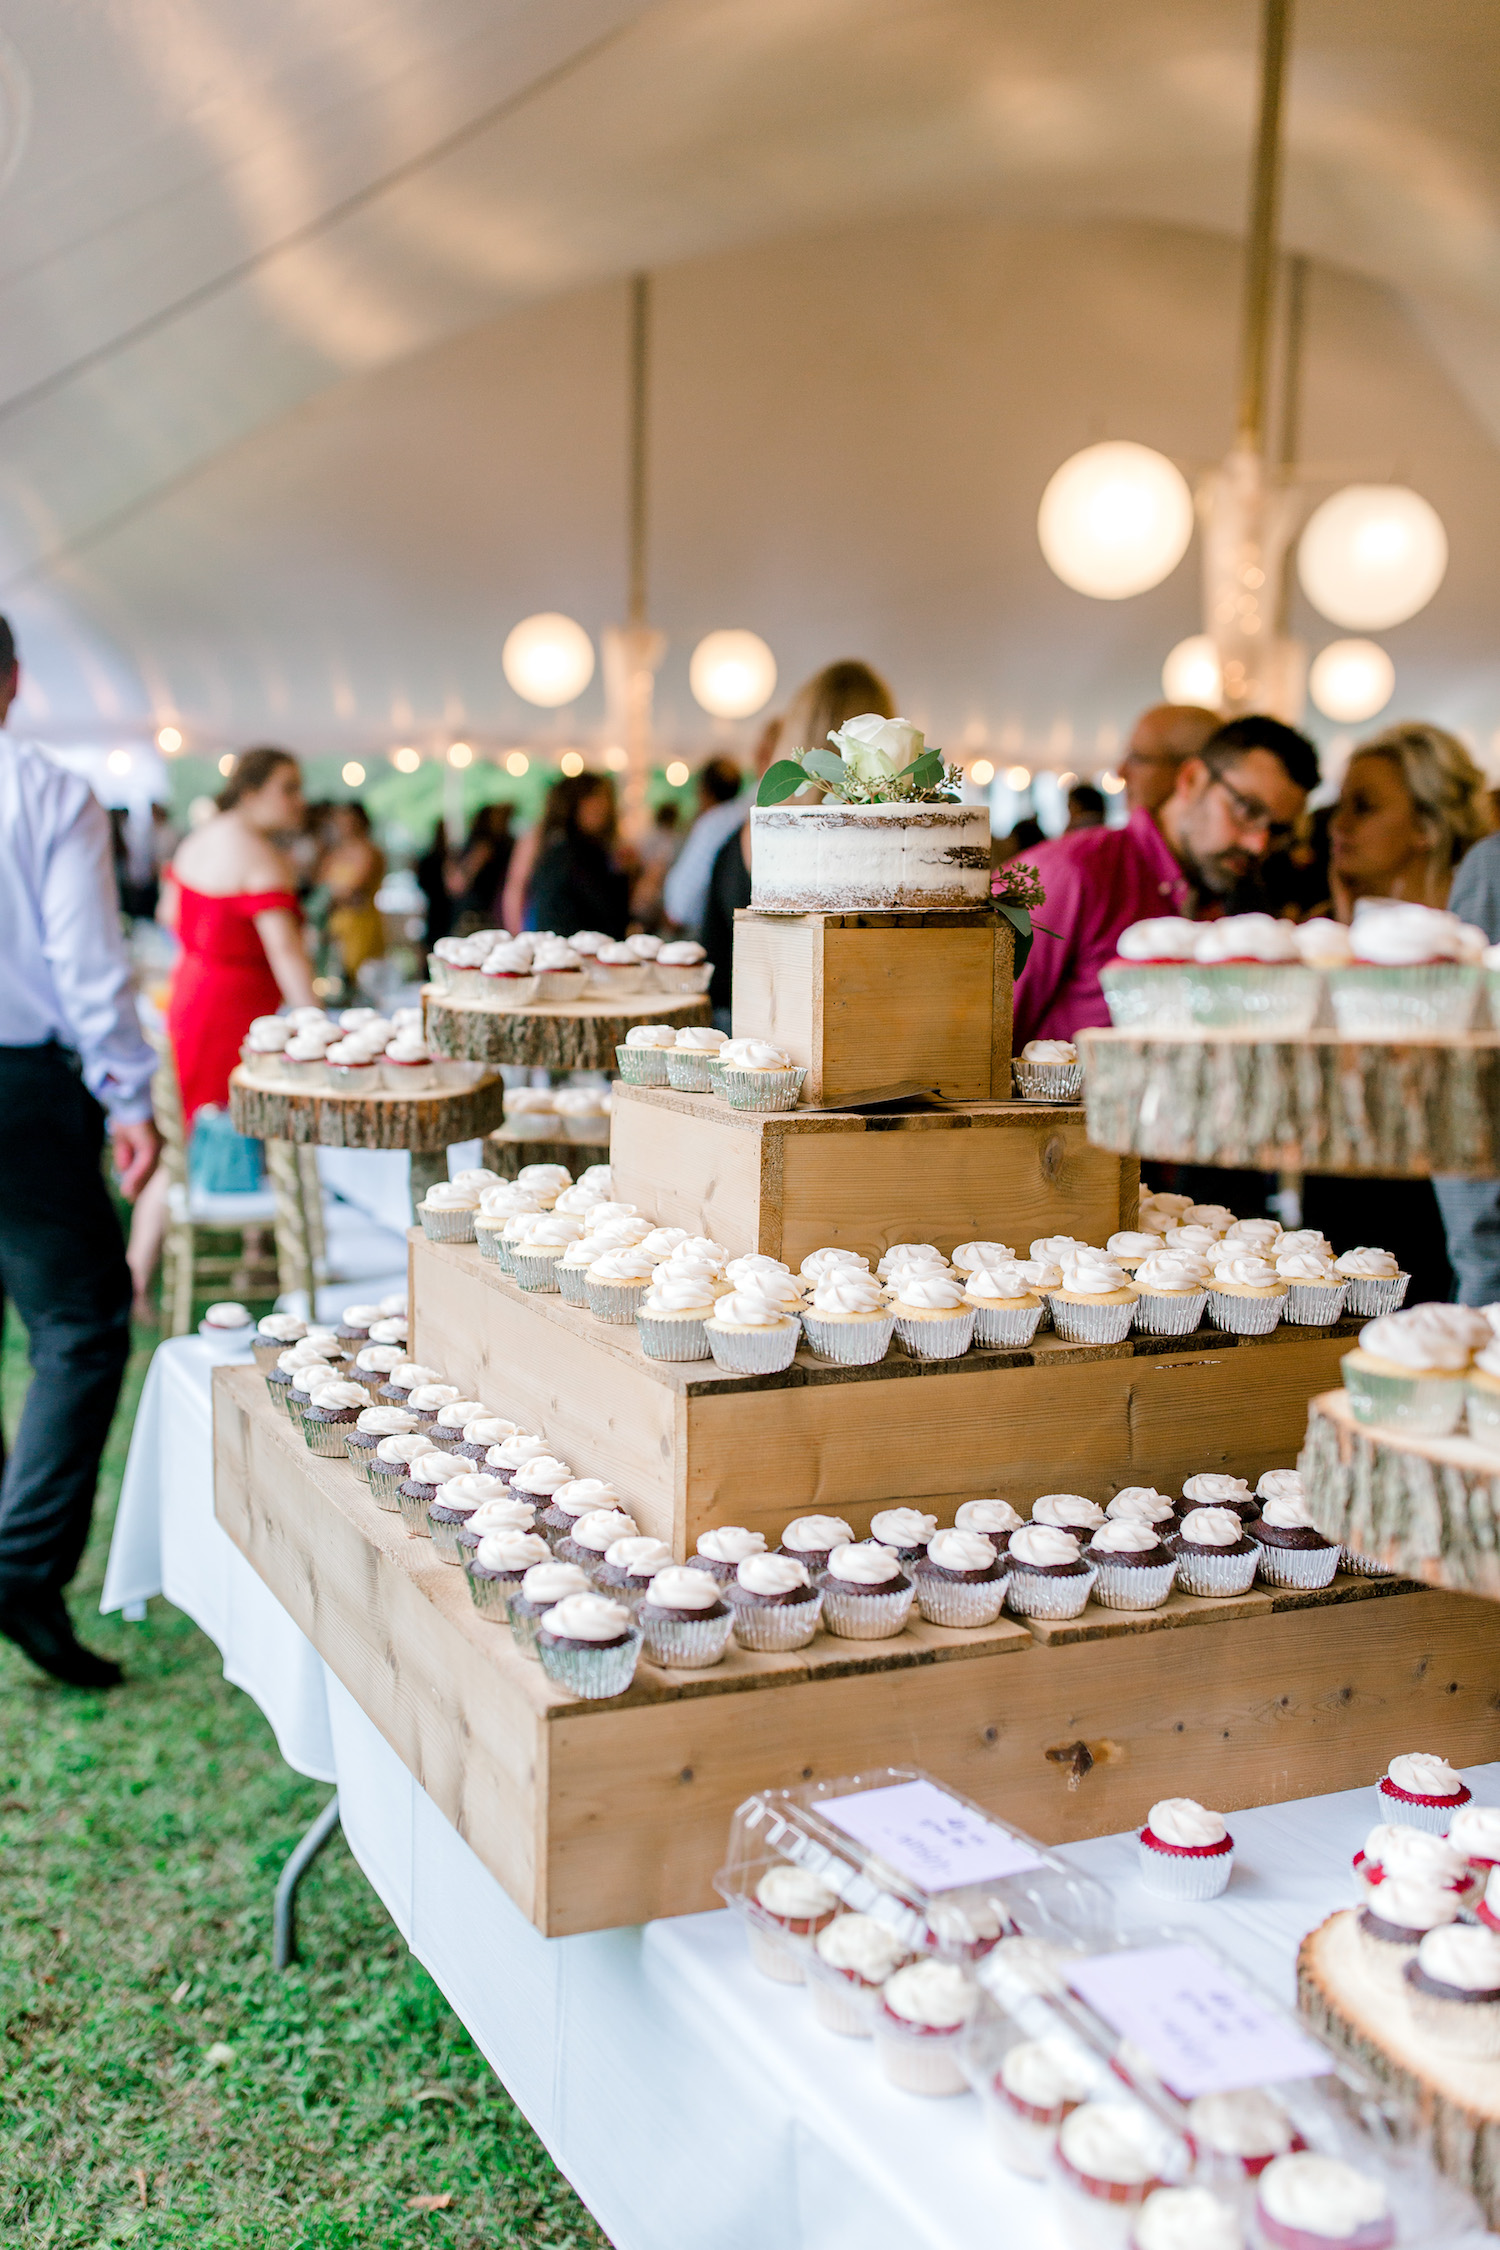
<point>693,2104</point>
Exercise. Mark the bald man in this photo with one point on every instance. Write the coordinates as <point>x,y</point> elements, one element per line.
<point>1165,737</point>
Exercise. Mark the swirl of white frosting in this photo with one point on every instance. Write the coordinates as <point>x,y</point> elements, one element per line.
<point>299,1360</point>
<point>1211,1527</point>
<point>1306,1265</point>
<point>816,1534</point>
<point>1108,2141</point>
<point>1069,1510</point>
<point>641,1557</point>
<point>1168,1200</point>
<point>548,1179</point>
<point>902,1527</point>
<point>1421,1346</point>
<point>449,1195</point>
<point>473,1489</point>
<point>389,1329</point>
<point>1323,943</point>
<point>1187,2218</point>
<point>339,1394</point>
<point>1247,2123</point>
<point>681,953</point>
<point>459,1413</point>
<point>621,1265</point>
<point>747,1308</point>
<point>1141,1501</point>
<point>504,1201</point>
<point>1178,1272</point>
<point>731,1543</point>
<point>662,1241</point>
<point>379,1359</point>
<point>397,1451</point>
<point>1059,1249</point>
<point>553,1230</point>
<point>1321,2196</point>
<point>1049,1051</point>
<point>502,1515</point>
<point>360,1316</point>
<point>586,1617</point>
<point>997,1284</point>
<point>753,1054</point>
<point>1397,933</point>
<point>792,1895</point>
<point>819,1263</point>
<point>935,1994</point>
<point>1468,1959</point>
<point>1046,2073</point>
<point>1043,1544</point>
<point>1124,1535</point>
<point>1366,1263</point>
<point>674,1586</point>
<point>1289,1514</point>
<point>1279,1484</point>
<point>1475,1830</point>
<point>861,1946</point>
<point>281,1328</point>
<point>616,1234</point>
<point>1246,1271</point>
<point>925,1289</point>
<point>1415,1853</point>
<point>700,1039</point>
<point>514,1552</point>
<point>553,1581</point>
<point>969,1257</point>
<point>771,1574</point>
<point>987,1515</point>
<point>1264,1235</point>
<point>1414,1902</point>
<point>1247,937</point>
<point>427,1398</point>
<point>1129,1245</point>
<point>489,1429</point>
<point>579,1200</point>
<point>1164,937</point>
<point>651,1035</point>
<point>1093,1273</point>
<point>411,1375</point>
<point>1041,1273</point>
<point>783,1290</point>
<point>959,1550</point>
<point>864,1563</point>
<point>385,1421</point>
<point>1190,1236</point>
<point>520,1446</point>
<point>739,1270</point>
<point>601,1527</point>
<point>433,1467</point>
<point>682,1294</point>
<point>542,1473</point>
<point>1186,1823</point>
<point>848,1289</point>
<point>700,1270</point>
<point>1212,1489</point>
<point>1421,1774</point>
<point>1215,1215</point>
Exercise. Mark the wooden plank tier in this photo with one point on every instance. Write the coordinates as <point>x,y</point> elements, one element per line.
<point>426,1122</point>
<point>872,999</point>
<point>789,1182</point>
<point>688,1446</point>
<point>596,1815</point>
<point>1314,1104</point>
<point>1454,2102</point>
<point>573,1035</point>
<point>1427,1507</point>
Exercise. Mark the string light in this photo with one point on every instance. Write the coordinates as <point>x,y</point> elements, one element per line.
<point>354,774</point>
<point>459,754</point>
<point>518,763</point>
<point>982,773</point>
<point>169,739</point>
<point>571,764</point>
<point>405,760</point>
<point>677,773</point>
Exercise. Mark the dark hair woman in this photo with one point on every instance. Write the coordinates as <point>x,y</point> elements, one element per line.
<point>578,881</point>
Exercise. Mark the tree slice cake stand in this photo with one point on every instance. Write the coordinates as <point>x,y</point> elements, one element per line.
<point>1316,1103</point>
<point>1453,2101</point>
<point>568,1035</point>
<point>1427,1508</point>
<point>508,1151</point>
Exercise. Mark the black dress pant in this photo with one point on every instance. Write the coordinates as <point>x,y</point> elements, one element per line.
<point>62,1265</point>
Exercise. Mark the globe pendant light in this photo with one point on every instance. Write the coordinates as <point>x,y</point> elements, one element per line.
<point>1351,680</point>
<point>548,659</point>
<point>1372,556</point>
<point>732,674</point>
<point>1191,673</point>
<point>1115,520</point>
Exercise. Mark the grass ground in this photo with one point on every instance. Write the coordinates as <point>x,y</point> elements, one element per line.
<point>159,2084</point>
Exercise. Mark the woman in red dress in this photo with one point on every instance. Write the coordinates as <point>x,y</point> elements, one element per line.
<point>231,896</point>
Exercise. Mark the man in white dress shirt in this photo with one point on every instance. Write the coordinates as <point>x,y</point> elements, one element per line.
<point>71,1058</point>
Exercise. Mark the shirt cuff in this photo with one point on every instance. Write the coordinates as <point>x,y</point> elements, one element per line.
<point>134,1110</point>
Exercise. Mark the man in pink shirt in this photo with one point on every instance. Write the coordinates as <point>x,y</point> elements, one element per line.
<point>1239,798</point>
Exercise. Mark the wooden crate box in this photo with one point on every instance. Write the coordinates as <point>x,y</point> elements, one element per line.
<point>596,1815</point>
<point>794,1182</point>
<point>867,1000</point>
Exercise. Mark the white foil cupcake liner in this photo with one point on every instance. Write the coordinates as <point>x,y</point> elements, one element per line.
<point>616,984</point>
<point>693,976</point>
<point>1436,1819</point>
<point>1244,1316</point>
<point>672,1339</point>
<point>1184,1875</point>
<point>1420,1405</point>
<point>1274,1000</point>
<point>572,1283</point>
<point>1313,1304</point>
<point>326,1439</point>
<point>488,1239</point>
<point>865,1617</point>
<point>385,1480</point>
<point>689,1071</point>
<point>1148,998</point>
<point>999,1328</point>
<point>1367,1296</point>
<point>1170,1314</point>
<point>444,1537</point>
<point>771,1628</point>
<point>685,1647</point>
<point>1122,1585</point>
<point>1084,1323</point>
<point>1483,1417</point>
<point>534,1273</point>
<point>1387,1004</point>
<point>1217,1575</point>
<point>761,1089</point>
<point>1305,1568</point>
<point>1047,1082</point>
<point>618,1302</point>
<point>946,1338</point>
<point>754,1351</point>
<point>838,2003</point>
<point>1032,1593</point>
<point>949,1601</point>
<point>853,1343</point>
<point>642,1066</point>
<point>593,1673</point>
<point>920,2063</point>
<point>446,1226</point>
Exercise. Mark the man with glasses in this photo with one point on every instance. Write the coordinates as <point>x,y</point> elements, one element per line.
<point>1161,742</point>
<point>1236,799</point>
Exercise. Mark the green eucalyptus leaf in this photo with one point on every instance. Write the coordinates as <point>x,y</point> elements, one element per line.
<point>826,766</point>
<point>1019,918</point>
<point>781,780</point>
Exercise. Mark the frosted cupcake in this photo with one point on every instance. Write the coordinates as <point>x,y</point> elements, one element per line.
<point>867,1596</point>
<point>1413,971</point>
<point>773,1603</point>
<point>511,1453</point>
<point>670,1322</point>
<point>447,1431</point>
<point>1249,976</point>
<point>1214,1555</point>
<point>542,1588</point>
<point>426,1474</point>
<point>1144,1504</point>
<point>546,1181</point>
<point>1096,1302</point>
<point>755,1075</point>
<point>1314,1288</point>
<point>1423,1791</point>
<point>722,1550</point>
<point>1237,2135</point>
<point>454,1507</point>
<point>748,1335</point>
<point>1069,1511</point>
<point>1416,1854</point>
<point>503,1514</point>
<point>771,1276</point>
<point>497,1567</point>
<point>447,1212</point>
<point>1409,1371</point>
<point>851,1958</point>
<point>1293,1552</point>
<point>920,2021</point>
<point>902,1254</point>
<point>616,1285</point>
<point>1245,1295</point>
<point>787,1909</point>
<point>482,1431</point>
<point>1392,1926</point>
<point>388,1469</point>
<point>959,1578</point>
<point>631,1567</point>
<point>1135,1566</point>
<point>371,1425</point>
<point>1453,1990</point>
<point>1129,1247</point>
<point>560,972</point>
<point>374,1363</point>
<point>1041,1276</point>
<point>274,1334</point>
<point>1185,1851</point>
<point>1047,1070</point>
<point>1007,1310</point>
<point>1475,1831</point>
<point>539,1479</point>
<point>1374,1281</point>
<point>534,1260</point>
<point>1264,1235</point>
<point>591,1537</point>
<point>818,1264</point>
<point>573,1265</point>
<point>427,1400</point>
<point>589,1646</point>
<point>683,966</point>
<point>1213,1488</point>
<point>994,1519</point>
<point>1171,1292</point>
<point>1187,2218</point>
<point>933,1316</point>
<point>643,1055</point>
<point>1049,1575</point>
<point>497,1207</point>
<point>810,1540</point>
<point>1038,2083</point>
<point>331,1413</point>
<point>561,1508</point>
<point>693,1059</point>
<point>849,1318</point>
<point>685,1620</point>
<point>1146,985</point>
<point>1107,2160</point>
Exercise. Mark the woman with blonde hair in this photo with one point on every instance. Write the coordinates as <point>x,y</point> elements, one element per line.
<point>1412,803</point>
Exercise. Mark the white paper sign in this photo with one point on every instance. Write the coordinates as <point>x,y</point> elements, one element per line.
<point>1198,2026</point>
<point>928,1836</point>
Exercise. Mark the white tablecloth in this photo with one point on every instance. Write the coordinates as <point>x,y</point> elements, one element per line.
<point>693,2105</point>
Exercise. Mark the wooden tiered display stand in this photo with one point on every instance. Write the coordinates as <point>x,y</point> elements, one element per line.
<point>600,1814</point>
<point>565,1035</point>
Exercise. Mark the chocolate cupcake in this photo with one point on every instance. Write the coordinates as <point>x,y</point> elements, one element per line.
<point>630,1566</point>
<point>497,1566</point>
<point>405,1377</point>
<point>558,1511</point>
<point>448,1429</point>
<point>454,1503</point>
<point>995,1519</point>
<point>331,1412</point>
<point>905,1531</point>
<point>773,1603</point>
<point>1214,1556</point>
<point>1049,1576</point>
<point>1453,1990</point>
<point>354,1324</point>
<point>1293,1552</point>
<point>503,1514</point>
<point>307,1375</point>
<point>371,1425</point>
<point>427,1400</point>
<point>1136,1567</point>
<point>480,1433</point>
<point>960,1580</point>
<point>1389,1934</point>
<point>589,1645</point>
<point>1211,1490</point>
<point>275,1334</point>
<point>592,1536</point>
<point>867,1596</point>
<point>514,1452</point>
<point>427,1472</point>
<point>391,1464</point>
<point>721,1551</point>
<point>812,1539</point>
<point>685,1620</point>
<point>1144,1502</point>
<point>374,1363</point>
<point>543,1587</point>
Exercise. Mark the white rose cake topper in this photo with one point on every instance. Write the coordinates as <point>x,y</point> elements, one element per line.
<point>889,832</point>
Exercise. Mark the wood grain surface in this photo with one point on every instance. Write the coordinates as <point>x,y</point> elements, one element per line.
<point>570,1035</point>
<point>419,1122</point>
<point>1429,1507</point>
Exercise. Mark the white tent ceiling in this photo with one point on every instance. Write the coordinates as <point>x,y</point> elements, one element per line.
<point>220,210</point>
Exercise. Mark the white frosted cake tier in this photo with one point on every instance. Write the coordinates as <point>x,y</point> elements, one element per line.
<point>835,857</point>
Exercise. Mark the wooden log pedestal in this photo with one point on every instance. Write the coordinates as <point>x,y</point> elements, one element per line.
<point>1316,1103</point>
<point>689,1447</point>
<point>789,1182</point>
<point>1453,2102</point>
<point>573,1035</point>
<point>597,1815</point>
<point>1427,1507</point>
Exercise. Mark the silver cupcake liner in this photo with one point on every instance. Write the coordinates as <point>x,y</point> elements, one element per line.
<point>688,1069</point>
<point>946,1338</point>
<point>325,1438</point>
<point>853,1343</point>
<point>1032,1594</point>
<point>643,1066</point>
<point>446,1226</point>
<point>487,1236</point>
<point>491,1596</point>
<point>296,1406</point>
<point>771,1628</point>
<point>754,1351</point>
<point>1274,1000</point>
<point>385,1480</point>
<point>1170,1314</point>
<point>359,1457</point>
<point>947,1601</point>
<point>1306,1568</point>
<point>1434,1000</point>
<point>1152,997</point>
<point>1365,1566</point>
<point>1313,1304</point>
<point>664,1338</point>
<point>523,1623</point>
<point>1367,1296</point>
<point>572,1284</point>
<point>1090,1323</point>
<point>1244,1316</point>
<point>682,1646</point>
<point>1047,1082</point>
<point>618,1302</point>
<point>999,1328</point>
<point>1185,1876</point>
<point>865,1617</point>
<point>1217,1575</point>
<point>1122,1585</point>
<point>593,1673</point>
<point>444,1537</point>
<point>761,1089</point>
<point>267,1351</point>
<point>535,1272</point>
<point>414,1515</point>
<point>1418,1405</point>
